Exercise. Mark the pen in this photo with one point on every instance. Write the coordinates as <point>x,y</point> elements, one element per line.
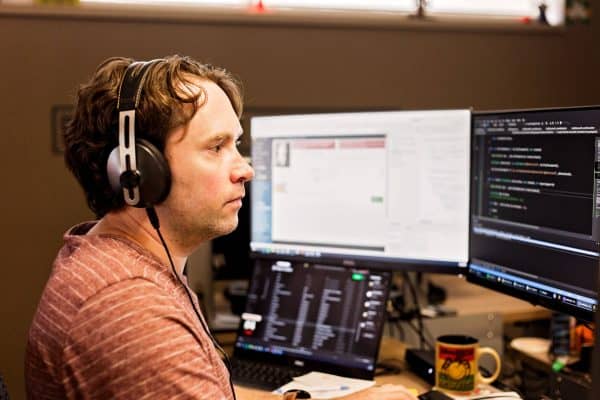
<point>327,388</point>
<point>318,389</point>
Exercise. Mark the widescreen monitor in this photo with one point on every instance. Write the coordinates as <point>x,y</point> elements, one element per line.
<point>386,189</point>
<point>536,207</point>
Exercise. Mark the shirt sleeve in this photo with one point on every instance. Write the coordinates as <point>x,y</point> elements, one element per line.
<point>134,340</point>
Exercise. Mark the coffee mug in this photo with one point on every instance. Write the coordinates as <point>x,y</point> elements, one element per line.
<point>457,363</point>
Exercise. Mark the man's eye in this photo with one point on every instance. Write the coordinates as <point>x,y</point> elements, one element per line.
<point>218,148</point>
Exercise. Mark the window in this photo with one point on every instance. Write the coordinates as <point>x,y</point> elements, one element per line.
<point>221,3</point>
<point>555,10</point>
<point>517,9</point>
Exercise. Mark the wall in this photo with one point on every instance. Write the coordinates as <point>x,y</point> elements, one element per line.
<point>304,66</point>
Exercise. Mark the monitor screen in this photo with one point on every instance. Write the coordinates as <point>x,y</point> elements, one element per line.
<point>387,189</point>
<point>535,206</point>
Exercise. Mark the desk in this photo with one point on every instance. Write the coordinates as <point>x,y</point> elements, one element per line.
<point>467,299</point>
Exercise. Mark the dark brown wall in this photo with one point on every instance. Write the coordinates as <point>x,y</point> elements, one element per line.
<point>43,60</point>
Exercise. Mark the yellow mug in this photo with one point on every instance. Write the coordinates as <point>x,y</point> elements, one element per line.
<point>457,363</point>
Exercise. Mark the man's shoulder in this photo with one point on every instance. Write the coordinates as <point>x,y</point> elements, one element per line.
<point>134,299</point>
<point>98,261</point>
<point>90,268</point>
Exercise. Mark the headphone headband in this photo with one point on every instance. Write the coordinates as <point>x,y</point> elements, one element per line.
<point>132,82</point>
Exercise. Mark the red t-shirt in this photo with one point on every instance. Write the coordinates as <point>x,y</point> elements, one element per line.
<point>113,322</point>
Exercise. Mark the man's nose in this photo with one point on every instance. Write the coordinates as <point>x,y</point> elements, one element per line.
<point>243,171</point>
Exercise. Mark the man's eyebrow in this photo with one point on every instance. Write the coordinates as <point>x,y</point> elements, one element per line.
<point>217,137</point>
<point>223,135</point>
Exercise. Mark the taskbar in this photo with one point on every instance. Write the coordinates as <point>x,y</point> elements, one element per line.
<point>546,294</point>
<point>322,356</point>
<point>350,257</point>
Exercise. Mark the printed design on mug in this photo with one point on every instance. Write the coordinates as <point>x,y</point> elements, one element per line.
<point>457,369</point>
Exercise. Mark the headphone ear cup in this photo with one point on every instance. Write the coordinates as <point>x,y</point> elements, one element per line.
<point>113,170</point>
<point>153,169</point>
<point>155,174</point>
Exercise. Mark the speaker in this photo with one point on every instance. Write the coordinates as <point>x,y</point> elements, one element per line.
<point>136,167</point>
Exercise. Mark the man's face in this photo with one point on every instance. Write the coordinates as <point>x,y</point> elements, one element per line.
<point>208,172</point>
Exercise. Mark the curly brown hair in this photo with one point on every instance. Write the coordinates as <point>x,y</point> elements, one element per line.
<point>92,132</point>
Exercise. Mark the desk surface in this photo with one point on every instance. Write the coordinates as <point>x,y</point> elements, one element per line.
<point>390,349</point>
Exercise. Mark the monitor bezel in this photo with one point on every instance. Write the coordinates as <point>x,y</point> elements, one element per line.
<point>356,262</point>
<point>471,276</point>
<point>396,264</point>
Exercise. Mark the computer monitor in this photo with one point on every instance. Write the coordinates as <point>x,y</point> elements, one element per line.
<point>535,206</point>
<point>322,317</point>
<point>385,189</point>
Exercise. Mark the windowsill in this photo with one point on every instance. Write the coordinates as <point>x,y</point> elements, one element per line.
<point>280,17</point>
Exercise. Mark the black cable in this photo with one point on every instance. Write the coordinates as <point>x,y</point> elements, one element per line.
<point>423,330</point>
<point>394,321</point>
<point>418,332</point>
<point>429,338</point>
<point>418,307</point>
<point>401,334</point>
<point>390,328</point>
<point>153,217</point>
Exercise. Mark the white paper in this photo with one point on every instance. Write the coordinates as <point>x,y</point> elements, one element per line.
<point>325,386</point>
<point>484,391</point>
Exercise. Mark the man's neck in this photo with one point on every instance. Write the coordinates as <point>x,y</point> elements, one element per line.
<point>133,224</point>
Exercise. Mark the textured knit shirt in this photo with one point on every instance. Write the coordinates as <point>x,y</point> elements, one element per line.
<point>114,322</point>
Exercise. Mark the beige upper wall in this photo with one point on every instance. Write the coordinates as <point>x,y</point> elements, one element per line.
<point>44,59</point>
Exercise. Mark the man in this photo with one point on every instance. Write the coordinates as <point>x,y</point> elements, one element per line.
<point>117,319</point>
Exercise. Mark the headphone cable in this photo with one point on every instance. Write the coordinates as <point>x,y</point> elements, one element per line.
<point>153,217</point>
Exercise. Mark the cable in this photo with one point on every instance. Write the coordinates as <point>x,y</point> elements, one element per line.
<point>416,300</point>
<point>429,344</point>
<point>429,338</point>
<point>153,217</point>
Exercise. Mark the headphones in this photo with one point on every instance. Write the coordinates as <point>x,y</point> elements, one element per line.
<point>136,167</point>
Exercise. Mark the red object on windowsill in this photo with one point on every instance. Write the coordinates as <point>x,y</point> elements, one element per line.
<point>525,20</point>
<point>258,8</point>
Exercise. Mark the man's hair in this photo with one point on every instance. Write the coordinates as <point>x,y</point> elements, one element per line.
<point>92,132</point>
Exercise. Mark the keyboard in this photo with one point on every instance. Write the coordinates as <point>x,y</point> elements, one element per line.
<point>263,376</point>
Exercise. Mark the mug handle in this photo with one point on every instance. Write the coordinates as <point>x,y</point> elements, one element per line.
<point>493,353</point>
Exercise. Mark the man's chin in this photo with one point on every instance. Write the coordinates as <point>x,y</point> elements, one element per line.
<point>227,228</point>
